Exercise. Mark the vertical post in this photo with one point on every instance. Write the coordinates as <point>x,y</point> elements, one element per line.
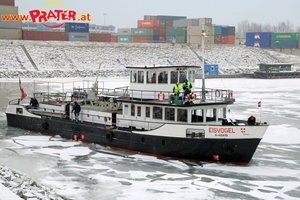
<point>203,33</point>
<point>104,14</point>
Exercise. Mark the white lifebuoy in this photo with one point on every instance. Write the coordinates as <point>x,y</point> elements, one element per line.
<point>58,100</point>
<point>218,93</point>
<point>230,94</point>
<point>161,96</point>
<point>105,119</point>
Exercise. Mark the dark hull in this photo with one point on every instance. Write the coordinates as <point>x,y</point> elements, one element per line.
<point>238,151</point>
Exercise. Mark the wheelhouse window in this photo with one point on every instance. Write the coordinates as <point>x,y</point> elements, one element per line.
<point>133,76</point>
<point>174,77</point>
<point>126,110</point>
<point>170,114</point>
<point>211,114</point>
<point>148,112</point>
<point>151,77</point>
<point>140,77</point>
<point>191,75</point>
<point>157,112</point>
<point>132,110</point>
<point>139,111</point>
<point>182,115</point>
<point>182,76</point>
<point>163,77</point>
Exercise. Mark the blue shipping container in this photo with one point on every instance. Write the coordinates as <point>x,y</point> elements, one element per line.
<point>77,27</point>
<point>258,35</point>
<point>284,44</point>
<point>156,37</point>
<point>164,18</point>
<point>218,30</point>
<point>211,69</point>
<point>224,31</point>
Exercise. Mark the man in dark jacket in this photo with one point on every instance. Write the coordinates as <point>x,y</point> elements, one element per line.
<point>67,110</point>
<point>76,109</point>
<point>34,103</point>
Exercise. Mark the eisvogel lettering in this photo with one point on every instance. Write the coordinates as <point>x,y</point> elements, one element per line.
<point>221,130</point>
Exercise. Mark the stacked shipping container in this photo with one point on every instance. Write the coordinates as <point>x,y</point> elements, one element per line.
<point>224,34</point>
<point>77,31</point>
<point>258,39</point>
<point>9,29</point>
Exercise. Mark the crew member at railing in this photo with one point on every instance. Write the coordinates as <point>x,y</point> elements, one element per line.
<point>67,110</point>
<point>251,120</point>
<point>187,87</point>
<point>176,90</point>
<point>34,102</point>
<point>76,109</point>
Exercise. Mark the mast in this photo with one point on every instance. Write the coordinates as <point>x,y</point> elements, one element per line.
<point>203,34</point>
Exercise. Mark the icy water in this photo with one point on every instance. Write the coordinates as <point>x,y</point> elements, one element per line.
<point>85,171</point>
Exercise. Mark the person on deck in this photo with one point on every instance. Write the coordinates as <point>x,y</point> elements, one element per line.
<point>251,120</point>
<point>187,87</point>
<point>76,109</point>
<point>176,90</point>
<point>34,102</point>
<point>67,110</point>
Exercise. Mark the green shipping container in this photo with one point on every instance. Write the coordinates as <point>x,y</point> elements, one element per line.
<point>178,40</point>
<point>178,31</point>
<point>231,30</point>
<point>124,39</point>
<point>285,36</point>
<point>141,31</point>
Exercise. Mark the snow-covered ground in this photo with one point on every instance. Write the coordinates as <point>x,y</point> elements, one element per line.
<point>81,59</point>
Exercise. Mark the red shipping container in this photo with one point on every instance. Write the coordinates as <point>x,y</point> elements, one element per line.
<point>159,31</point>
<point>114,38</point>
<point>217,39</point>
<point>100,37</point>
<point>231,39</point>
<point>31,35</point>
<point>7,3</point>
<point>58,36</point>
<point>162,39</point>
<point>224,39</point>
<point>141,39</point>
<point>147,23</point>
<point>169,23</point>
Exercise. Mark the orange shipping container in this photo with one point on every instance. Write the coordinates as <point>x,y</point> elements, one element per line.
<point>43,35</point>
<point>231,39</point>
<point>141,39</point>
<point>159,31</point>
<point>169,23</point>
<point>299,44</point>
<point>147,23</point>
<point>114,38</point>
<point>100,37</point>
<point>224,39</point>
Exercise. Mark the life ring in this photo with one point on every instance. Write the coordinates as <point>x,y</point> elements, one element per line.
<point>189,97</point>
<point>230,94</point>
<point>58,100</point>
<point>195,96</point>
<point>161,96</point>
<point>218,93</point>
<point>105,119</point>
<point>109,136</point>
<point>75,137</point>
<point>45,125</point>
<point>82,136</point>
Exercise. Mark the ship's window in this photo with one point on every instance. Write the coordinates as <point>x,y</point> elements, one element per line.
<point>148,112</point>
<point>221,113</point>
<point>197,115</point>
<point>132,110</point>
<point>126,110</point>
<point>157,112</point>
<point>140,77</point>
<point>139,110</point>
<point>170,114</point>
<point>133,76</point>
<point>182,76</point>
<point>182,115</point>
<point>19,111</point>
<point>174,77</point>
<point>151,77</point>
<point>191,76</point>
<point>211,114</point>
<point>163,77</point>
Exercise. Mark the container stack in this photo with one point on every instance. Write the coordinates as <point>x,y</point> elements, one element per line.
<point>10,29</point>
<point>285,40</point>
<point>77,31</point>
<point>258,39</point>
<point>224,34</point>
<point>194,31</point>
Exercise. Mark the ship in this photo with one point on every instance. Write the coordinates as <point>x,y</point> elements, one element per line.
<point>144,117</point>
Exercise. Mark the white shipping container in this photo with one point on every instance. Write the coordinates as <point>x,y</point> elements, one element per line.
<point>124,31</point>
<point>185,22</point>
<point>197,39</point>
<point>9,10</point>
<point>78,36</point>
<point>10,34</point>
<point>205,21</point>
<point>197,30</point>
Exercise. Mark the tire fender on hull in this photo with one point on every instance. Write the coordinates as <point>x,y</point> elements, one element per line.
<point>45,125</point>
<point>109,136</point>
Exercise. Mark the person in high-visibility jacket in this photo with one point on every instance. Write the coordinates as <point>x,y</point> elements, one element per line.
<point>176,90</point>
<point>187,87</point>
